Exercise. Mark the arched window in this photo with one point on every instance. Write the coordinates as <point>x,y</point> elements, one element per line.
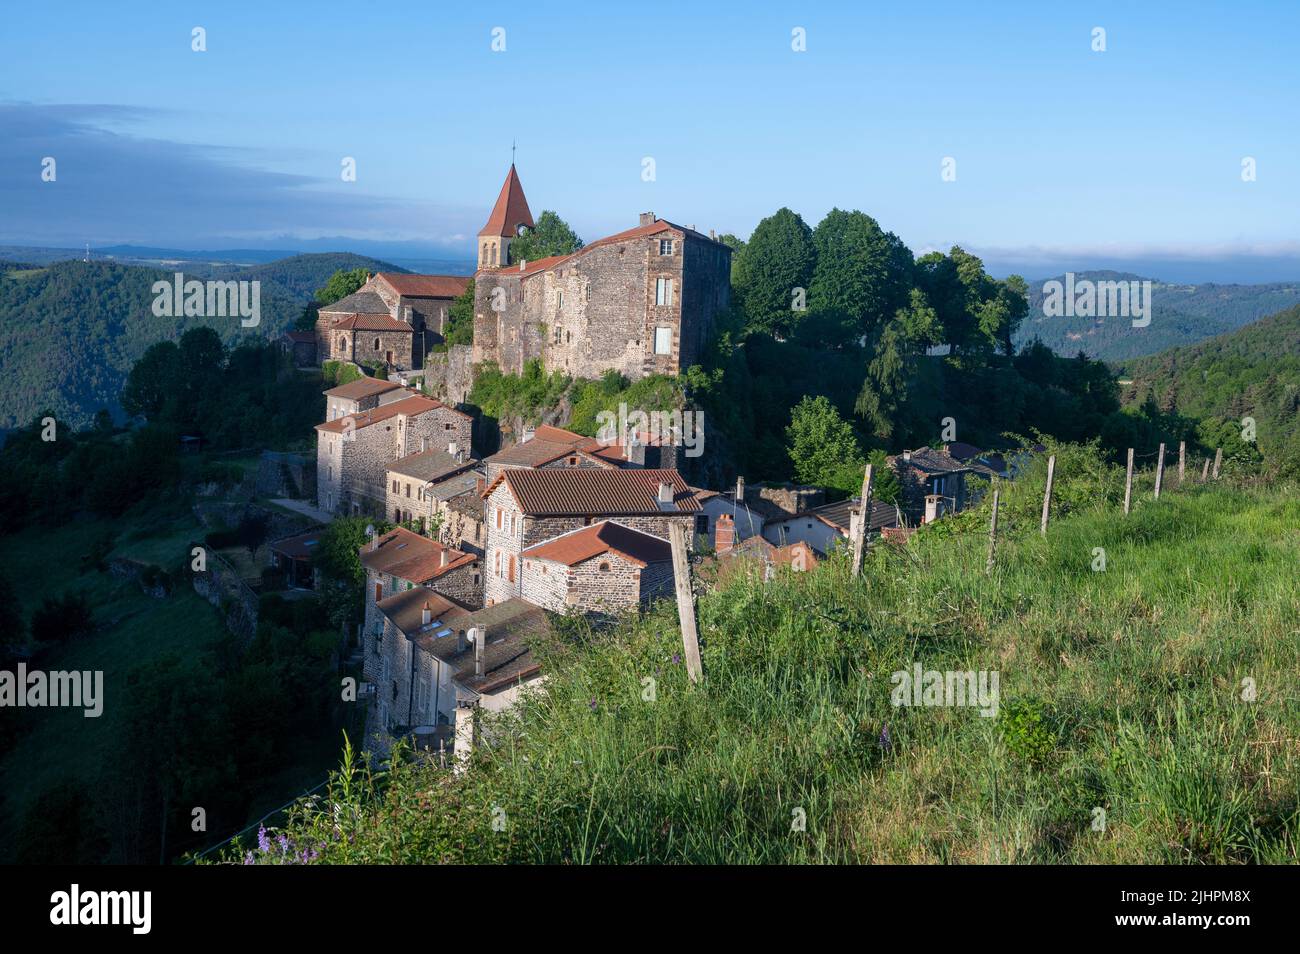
<point>376,344</point>
<point>603,568</point>
<point>343,343</point>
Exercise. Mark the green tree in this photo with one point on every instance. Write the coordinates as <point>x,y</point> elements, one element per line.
<point>459,329</point>
<point>778,259</point>
<point>551,235</point>
<point>822,445</point>
<point>863,274</point>
<point>152,381</point>
<point>342,284</point>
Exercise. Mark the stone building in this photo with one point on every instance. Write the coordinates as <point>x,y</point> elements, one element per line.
<point>393,321</point>
<point>412,479</point>
<point>434,664</point>
<point>605,569</point>
<point>363,394</point>
<point>934,483</point>
<point>400,560</point>
<point>638,302</point>
<point>829,526</point>
<point>528,507</point>
<point>354,452</point>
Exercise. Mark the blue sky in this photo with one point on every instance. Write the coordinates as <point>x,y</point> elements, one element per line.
<point>1065,157</point>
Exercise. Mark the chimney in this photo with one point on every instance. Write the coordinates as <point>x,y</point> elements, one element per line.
<point>480,484</point>
<point>522,263</point>
<point>647,218</point>
<point>423,444</point>
<point>453,451</point>
<point>725,534</point>
<point>529,432</point>
<point>460,641</point>
<point>907,455</point>
<point>426,614</point>
<point>479,636</point>
<point>442,559</point>
<point>740,490</point>
<point>934,507</point>
<point>713,235</point>
<point>665,498</point>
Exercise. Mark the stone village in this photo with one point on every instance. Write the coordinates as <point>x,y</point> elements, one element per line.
<point>486,549</point>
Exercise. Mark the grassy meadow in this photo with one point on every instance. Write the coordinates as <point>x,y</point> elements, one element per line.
<point>1149,711</point>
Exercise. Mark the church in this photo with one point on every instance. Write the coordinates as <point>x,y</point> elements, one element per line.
<point>639,302</point>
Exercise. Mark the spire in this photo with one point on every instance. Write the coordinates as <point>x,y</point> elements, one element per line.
<point>511,209</point>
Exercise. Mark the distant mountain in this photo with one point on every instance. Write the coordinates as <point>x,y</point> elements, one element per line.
<point>1181,315</point>
<point>1251,372</point>
<point>70,331</point>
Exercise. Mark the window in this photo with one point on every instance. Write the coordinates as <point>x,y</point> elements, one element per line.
<point>663,341</point>
<point>498,509</point>
<point>663,291</point>
<point>379,592</point>
<point>702,524</point>
<point>665,246</point>
<point>559,300</point>
<point>408,490</point>
<point>603,568</point>
<point>394,486</point>
<point>376,344</point>
<point>511,576</point>
<point>343,343</point>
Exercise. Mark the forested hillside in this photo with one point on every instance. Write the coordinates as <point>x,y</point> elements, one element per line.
<point>1182,315</point>
<point>70,332</point>
<point>1251,373</point>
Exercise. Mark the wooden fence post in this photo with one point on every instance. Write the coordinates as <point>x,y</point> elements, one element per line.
<point>1047,493</point>
<point>1218,461</point>
<point>1182,460</point>
<point>1160,470</point>
<point>1128,483</point>
<point>1205,471</point>
<point>993,531</point>
<point>685,601</point>
<point>864,518</point>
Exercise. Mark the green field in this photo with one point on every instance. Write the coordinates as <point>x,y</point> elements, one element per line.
<point>1124,691</point>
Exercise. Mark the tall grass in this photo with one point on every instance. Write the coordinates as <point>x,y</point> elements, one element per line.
<point>1123,734</point>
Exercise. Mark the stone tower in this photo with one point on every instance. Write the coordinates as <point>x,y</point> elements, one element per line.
<point>509,216</point>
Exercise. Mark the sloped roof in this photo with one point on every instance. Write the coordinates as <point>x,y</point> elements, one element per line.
<point>578,546</point>
<point>411,406</point>
<point>429,465</point>
<point>362,388</point>
<point>609,493</point>
<point>425,286</point>
<point>837,515</point>
<point>301,546</point>
<point>410,556</point>
<point>406,610</point>
<point>507,658</point>
<point>928,460</point>
<point>511,209</point>
<point>379,322</point>
<point>363,301</point>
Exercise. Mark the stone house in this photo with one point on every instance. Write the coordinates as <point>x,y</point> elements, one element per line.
<point>363,394</point>
<point>934,483</point>
<point>640,302</point>
<point>413,480</point>
<point>354,452</point>
<point>556,448</point>
<point>431,671</point>
<point>300,346</point>
<point>605,569</point>
<point>745,520</point>
<point>528,507</point>
<point>400,560</point>
<point>393,320</point>
<point>830,526</point>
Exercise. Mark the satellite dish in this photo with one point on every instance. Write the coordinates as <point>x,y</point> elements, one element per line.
<point>370,529</point>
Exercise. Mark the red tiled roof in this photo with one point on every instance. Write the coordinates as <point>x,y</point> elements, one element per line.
<point>372,323</point>
<point>425,286</point>
<point>549,432</point>
<point>411,407</point>
<point>362,388</point>
<point>580,545</point>
<point>511,210</point>
<point>307,337</point>
<point>410,556</point>
<point>594,492</point>
<point>406,610</point>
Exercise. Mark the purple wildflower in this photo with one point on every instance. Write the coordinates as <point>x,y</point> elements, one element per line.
<point>677,658</point>
<point>263,842</point>
<point>884,737</point>
<point>593,703</point>
<point>248,858</point>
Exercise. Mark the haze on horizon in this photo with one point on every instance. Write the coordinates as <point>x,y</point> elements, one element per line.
<point>1065,157</point>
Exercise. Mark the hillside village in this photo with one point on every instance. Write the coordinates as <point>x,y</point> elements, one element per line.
<point>485,548</point>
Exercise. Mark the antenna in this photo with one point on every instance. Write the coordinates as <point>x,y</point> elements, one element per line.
<point>512,152</point>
